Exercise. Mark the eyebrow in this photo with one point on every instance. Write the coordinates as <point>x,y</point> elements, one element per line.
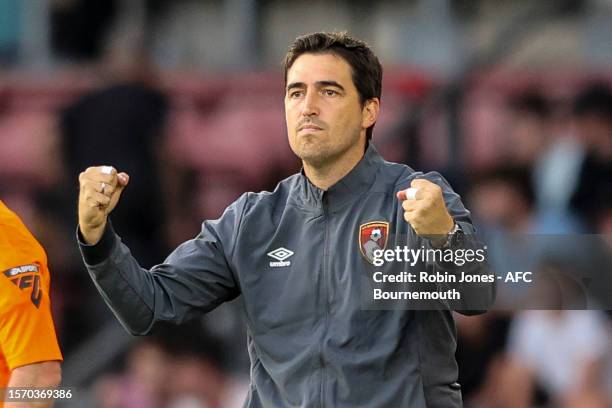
<point>318,83</point>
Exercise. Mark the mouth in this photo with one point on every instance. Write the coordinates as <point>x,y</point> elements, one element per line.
<point>310,128</point>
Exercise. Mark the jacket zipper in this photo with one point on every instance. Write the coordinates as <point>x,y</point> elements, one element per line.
<point>325,294</point>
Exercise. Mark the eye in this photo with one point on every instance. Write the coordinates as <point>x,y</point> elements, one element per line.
<point>295,94</point>
<point>329,92</point>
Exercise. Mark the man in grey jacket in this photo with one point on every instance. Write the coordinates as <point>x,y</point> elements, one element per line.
<point>296,255</point>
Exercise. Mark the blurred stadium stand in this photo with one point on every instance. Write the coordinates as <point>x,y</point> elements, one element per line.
<point>452,71</point>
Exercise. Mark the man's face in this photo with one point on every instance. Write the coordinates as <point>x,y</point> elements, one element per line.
<point>325,119</point>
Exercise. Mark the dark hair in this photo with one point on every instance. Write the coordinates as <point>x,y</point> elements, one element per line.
<point>532,103</point>
<point>595,99</point>
<point>517,177</point>
<point>365,67</point>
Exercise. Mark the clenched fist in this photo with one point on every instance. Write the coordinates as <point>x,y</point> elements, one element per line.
<point>100,189</point>
<point>425,210</point>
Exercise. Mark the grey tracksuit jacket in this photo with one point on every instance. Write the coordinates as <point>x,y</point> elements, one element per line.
<point>311,344</point>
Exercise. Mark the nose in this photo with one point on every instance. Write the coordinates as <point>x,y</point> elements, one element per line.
<point>310,106</point>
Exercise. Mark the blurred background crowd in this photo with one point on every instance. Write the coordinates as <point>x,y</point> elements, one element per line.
<point>510,100</point>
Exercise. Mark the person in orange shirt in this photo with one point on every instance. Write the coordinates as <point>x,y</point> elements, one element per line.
<point>29,352</point>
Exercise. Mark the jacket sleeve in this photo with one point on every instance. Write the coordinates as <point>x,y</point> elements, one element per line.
<point>195,278</point>
<point>476,298</point>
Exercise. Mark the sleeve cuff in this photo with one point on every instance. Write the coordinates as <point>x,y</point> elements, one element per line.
<point>96,253</point>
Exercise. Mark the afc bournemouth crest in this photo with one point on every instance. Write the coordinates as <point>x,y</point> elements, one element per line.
<point>372,236</point>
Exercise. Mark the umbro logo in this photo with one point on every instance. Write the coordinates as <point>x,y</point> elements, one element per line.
<point>280,254</point>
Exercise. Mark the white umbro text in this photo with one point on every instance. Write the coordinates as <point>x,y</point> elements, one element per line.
<point>280,254</point>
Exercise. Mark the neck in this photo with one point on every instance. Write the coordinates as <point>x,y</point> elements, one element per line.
<point>325,175</point>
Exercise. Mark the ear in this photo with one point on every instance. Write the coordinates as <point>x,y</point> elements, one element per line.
<point>370,112</point>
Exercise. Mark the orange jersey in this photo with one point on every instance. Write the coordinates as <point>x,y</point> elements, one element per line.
<point>27,334</point>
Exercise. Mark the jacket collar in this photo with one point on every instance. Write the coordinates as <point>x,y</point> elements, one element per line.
<point>355,183</point>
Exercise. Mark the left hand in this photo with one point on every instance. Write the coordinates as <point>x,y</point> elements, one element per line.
<point>427,213</point>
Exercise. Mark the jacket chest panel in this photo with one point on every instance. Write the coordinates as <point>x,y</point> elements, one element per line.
<point>307,266</point>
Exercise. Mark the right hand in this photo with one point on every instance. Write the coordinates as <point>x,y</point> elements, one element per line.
<point>98,195</point>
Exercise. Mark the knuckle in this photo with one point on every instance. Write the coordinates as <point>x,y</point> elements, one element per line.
<point>434,188</point>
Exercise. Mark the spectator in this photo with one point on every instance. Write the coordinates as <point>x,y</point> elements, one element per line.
<point>122,123</point>
<point>562,351</point>
<point>593,114</point>
<point>529,129</point>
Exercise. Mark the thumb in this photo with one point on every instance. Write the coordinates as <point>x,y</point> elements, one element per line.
<point>122,181</point>
<point>411,193</point>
